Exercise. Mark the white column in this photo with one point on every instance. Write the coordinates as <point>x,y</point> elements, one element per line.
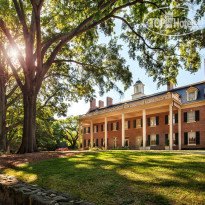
<point>171,126</point>
<point>144,128</point>
<point>91,134</point>
<point>105,133</point>
<point>79,135</point>
<point>123,129</point>
<point>180,128</point>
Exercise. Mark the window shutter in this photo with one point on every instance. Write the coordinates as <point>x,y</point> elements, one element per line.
<point>176,118</point>
<point>84,143</point>
<point>107,127</point>
<point>96,142</point>
<point>107,142</point>
<point>157,120</point>
<point>148,121</point>
<point>167,139</point>
<point>148,141</point>
<point>117,126</point>
<point>128,124</point>
<point>88,129</point>
<point>134,123</point>
<point>186,138</point>
<point>102,142</point>
<point>157,139</point>
<point>141,123</point>
<point>197,137</point>
<point>197,115</point>
<point>166,119</point>
<point>111,126</point>
<point>84,130</point>
<point>185,117</point>
<point>96,128</point>
<point>88,142</point>
<point>177,138</point>
<point>101,128</point>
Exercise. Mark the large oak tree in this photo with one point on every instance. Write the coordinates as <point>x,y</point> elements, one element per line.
<point>66,33</point>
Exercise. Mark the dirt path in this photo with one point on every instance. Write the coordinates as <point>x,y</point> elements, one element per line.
<point>9,161</point>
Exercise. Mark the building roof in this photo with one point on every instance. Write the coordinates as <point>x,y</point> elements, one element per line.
<point>175,90</point>
<point>138,81</point>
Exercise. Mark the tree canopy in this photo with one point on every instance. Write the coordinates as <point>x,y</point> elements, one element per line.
<point>61,38</point>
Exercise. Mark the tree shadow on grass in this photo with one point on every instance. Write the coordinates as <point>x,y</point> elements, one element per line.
<point>120,177</point>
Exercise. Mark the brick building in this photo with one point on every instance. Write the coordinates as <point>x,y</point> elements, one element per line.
<point>173,119</point>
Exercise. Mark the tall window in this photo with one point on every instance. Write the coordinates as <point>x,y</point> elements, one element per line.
<point>139,123</point>
<point>127,142</point>
<point>115,142</point>
<point>152,121</point>
<point>102,128</point>
<point>192,138</point>
<point>190,116</point>
<point>153,140</point>
<point>127,124</point>
<point>95,128</point>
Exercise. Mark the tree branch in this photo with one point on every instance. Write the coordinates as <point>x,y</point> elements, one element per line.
<point>14,100</point>
<point>12,91</point>
<point>12,68</point>
<point>12,42</point>
<point>21,15</point>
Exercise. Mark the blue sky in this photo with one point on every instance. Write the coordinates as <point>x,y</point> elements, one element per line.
<point>183,78</point>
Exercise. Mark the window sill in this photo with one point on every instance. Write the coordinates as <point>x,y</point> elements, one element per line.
<point>153,125</point>
<point>191,122</point>
<point>191,144</point>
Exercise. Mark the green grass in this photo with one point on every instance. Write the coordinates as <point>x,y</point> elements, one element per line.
<point>122,177</point>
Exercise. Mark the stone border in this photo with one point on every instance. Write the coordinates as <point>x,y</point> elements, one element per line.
<point>14,192</point>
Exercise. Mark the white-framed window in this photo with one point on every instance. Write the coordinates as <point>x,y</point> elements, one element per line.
<point>115,142</point>
<point>192,93</point>
<point>174,139</point>
<point>102,127</point>
<point>95,129</point>
<point>153,140</point>
<point>173,119</point>
<point>114,126</point>
<point>152,121</point>
<point>127,143</point>
<point>192,96</point>
<point>126,125</point>
<point>138,123</point>
<point>191,138</point>
<point>191,117</point>
<point>87,130</point>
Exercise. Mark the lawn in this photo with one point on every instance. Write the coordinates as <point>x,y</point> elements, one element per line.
<point>122,177</point>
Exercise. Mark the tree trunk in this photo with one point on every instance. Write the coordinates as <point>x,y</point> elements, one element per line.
<point>73,144</point>
<point>29,125</point>
<point>2,114</point>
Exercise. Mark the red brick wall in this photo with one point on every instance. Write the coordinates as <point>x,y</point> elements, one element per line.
<point>161,129</point>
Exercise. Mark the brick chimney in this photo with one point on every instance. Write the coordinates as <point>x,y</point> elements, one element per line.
<point>170,86</point>
<point>109,101</point>
<point>101,104</point>
<point>93,104</point>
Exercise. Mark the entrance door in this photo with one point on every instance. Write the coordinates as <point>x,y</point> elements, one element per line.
<point>138,142</point>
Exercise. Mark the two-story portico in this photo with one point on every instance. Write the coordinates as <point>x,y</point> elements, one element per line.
<point>156,121</point>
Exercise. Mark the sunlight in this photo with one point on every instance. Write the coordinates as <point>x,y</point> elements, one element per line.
<point>13,53</point>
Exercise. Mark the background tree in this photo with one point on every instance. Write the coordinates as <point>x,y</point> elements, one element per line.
<point>66,33</point>
<point>70,130</point>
